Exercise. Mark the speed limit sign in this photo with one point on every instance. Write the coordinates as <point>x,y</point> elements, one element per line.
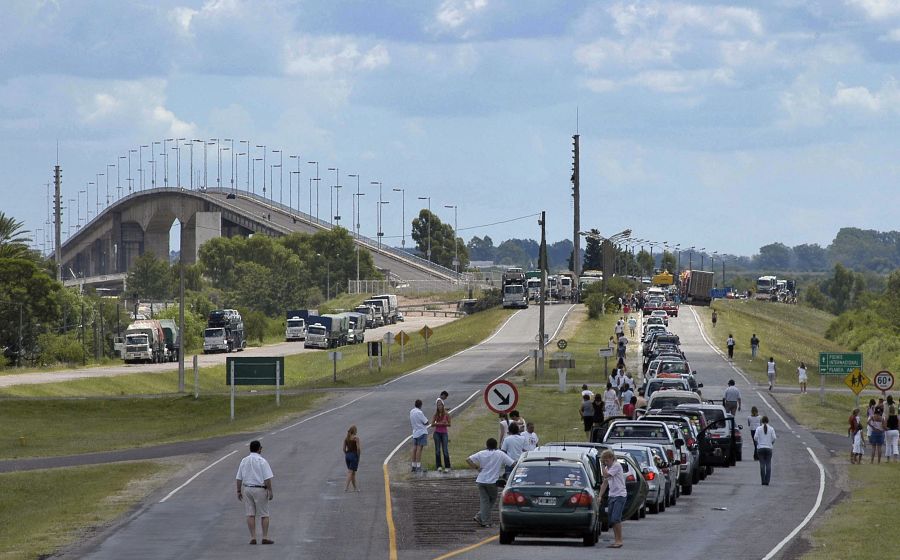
<point>884,380</point>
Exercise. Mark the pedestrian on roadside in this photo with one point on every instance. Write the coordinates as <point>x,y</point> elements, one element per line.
<point>641,399</point>
<point>619,379</point>
<point>632,325</point>
<point>623,346</point>
<point>859,448</point>
<point>488,462</point>
<point>443,397</point>
<point>619,329</point>
<point>610,401</point>
<point>876,440</point>
<point>626,395</point>
<point>870,411</point>
<point>732,398</point>
<point>598,409</point>
<point>770,372</point>
<point>586,410</point>
<point>614,480</point>
<point>352,451</point>
<point>419,424</point>
<point>630,408</point>
<point>715,318</point>
<point>504,426</point>
<point>586,391</point>
<point>513,445</point>
<point>531,438</point>
<point>441,423</point>
<point>753,422</point>
<point>765,439</point>
<point>754,346</point>
<point>254,488</point>
<point>730,344</point>
<point>611,343</point>
<point>892,434</point>
<point>802,377</point>
<point>514,416</point>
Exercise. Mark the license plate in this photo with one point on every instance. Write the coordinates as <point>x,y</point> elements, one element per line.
<point>546,501</point>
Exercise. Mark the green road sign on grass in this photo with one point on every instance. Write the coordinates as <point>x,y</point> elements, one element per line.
<point>255,371</point>
<point>839,363</point>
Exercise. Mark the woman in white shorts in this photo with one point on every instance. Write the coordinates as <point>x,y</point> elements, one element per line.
<point>801,377</point>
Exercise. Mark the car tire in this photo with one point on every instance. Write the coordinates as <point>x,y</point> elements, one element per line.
<point>506,537</point>
<point>695,479</point>
<point>701,473</point>
<point>674,499</point>
<point>654,508</point>
<point>643,511</point>
<point>663,504</point>
<point>589,538</point>
<point>636,516</point>
<point>687,489</point>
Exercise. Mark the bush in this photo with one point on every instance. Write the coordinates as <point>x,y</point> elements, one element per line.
<point>59,348</point>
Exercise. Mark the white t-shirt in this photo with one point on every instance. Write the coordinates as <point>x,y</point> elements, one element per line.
<point>764,439</point>
<point>418,422</point>
<point>531,440</point>
<point>618,380</point>
<point>254,470</point>
<point>490,463</point>
<point>770,367</point>
<point>620,328</point>
<point>514,445</point>
<point>589,393</point>
<point>801,373</point>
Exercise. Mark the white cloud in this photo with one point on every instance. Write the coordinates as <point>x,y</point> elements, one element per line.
<point>860,97</point>
<point>878,9</point>
<point>893,35</point>
<point>135,104</point>
<point>317,56</point>
<point>669,20</point>
<point>454,16</point>
<point>804,104</point>
<point>184,18</point>
<point>632,53</point>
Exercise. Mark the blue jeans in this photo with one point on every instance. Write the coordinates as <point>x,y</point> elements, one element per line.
<point>765,464</point>
<point>441,443</point>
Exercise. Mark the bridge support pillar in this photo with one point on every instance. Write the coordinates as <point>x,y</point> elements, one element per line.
<point>202,227</point>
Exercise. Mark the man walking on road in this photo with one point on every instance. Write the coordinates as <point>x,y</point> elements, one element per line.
<point>770,372</point>
<point>732,400</point>
<point>254,488</point>
<point>419,424</point>
<point>754,346</point>
<point>730,343</point>
<point>488,462</point>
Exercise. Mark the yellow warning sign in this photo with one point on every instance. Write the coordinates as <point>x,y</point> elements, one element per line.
<point>426,332</point>
<point>856,380</point>
<point>402,338</point>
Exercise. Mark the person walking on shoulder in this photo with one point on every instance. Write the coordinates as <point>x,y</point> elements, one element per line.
<point>765,439</point>
<point>419,424</point>
<point>754,346</point>
<point>770,372</point>
<point>614,480</point>
<point>610,401</point>
<point>488,462</point>
<point>352,451</point>
<point>441,423</point>
<point>586,410</point>
<point>632,325</point>
<point>892,435</point>
<point>753,422</point>
<point>730,344</point>
<point>876,439</point>
<point>715,318</point>
<point>802,377</point>
<point>732,399</point>
<point>254,488</point>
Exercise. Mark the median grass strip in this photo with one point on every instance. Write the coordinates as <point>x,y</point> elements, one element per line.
<point>51,427</point>
<point>42,511</point>
<point>307,370</point>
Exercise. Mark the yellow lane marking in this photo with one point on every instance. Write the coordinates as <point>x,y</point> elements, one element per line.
<point>467,549</point>
<point>389,514</point>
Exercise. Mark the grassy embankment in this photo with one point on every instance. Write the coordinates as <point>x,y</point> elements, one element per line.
<point>116,423</point>
<point>41,511</point>
<point>791,334</point>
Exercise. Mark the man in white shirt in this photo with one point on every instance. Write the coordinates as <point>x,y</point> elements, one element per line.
<point>254,488</point>
<point>586,391</point>
<point>531,438</point>
<point>513,444</point>
<point>419,424</point>
<point>488,462</point>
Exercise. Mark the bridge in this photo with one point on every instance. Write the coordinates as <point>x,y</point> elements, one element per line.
<point>103,250</point>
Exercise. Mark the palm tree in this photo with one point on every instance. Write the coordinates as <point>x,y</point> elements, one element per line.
<point>13,239</point>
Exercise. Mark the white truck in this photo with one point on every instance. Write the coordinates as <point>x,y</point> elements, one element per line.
<point>295,329</point>
<point>514,295</point>
<point>392,310</point>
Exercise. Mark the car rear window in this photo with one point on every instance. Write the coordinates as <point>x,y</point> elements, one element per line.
<point>640,456</point>
<point>674,367</point>
<point>666,401</point>
<point>638,432</point>
<point>712,415</point>
<point>536,473</point>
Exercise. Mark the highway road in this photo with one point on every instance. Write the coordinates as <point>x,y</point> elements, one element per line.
<point>198,516</point>
<point>730,515</point>
<point>410,325</point>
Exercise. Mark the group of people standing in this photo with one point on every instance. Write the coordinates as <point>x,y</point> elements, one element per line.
<point>882,432</point>
<point>420,423</point>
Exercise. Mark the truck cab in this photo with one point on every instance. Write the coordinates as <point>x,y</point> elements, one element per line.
<point>514,295</point>
<point>137,348</point>
<point>295,329</point>
<point>215,340</point>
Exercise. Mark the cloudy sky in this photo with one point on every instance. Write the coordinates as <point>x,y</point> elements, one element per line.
<point>723,125</point>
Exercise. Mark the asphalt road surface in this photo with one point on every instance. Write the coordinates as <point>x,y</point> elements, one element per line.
<point>730,515</point>
<point>197,515</point>
<point>410,325</point>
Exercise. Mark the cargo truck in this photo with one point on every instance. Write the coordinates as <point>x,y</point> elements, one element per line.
<point>173,341</point>
<point>392,310</point>
<point>327,331</point>
<point>696,286</point>
<point>294,328</point>
<point>357,327</point>
<point>224,332</point>
<point>145,341</point>
<point>369,313</point>
<point>380,307</point>
<point>514,296</point>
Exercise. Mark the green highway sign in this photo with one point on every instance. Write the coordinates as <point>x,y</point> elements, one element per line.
<point>255,371</point>
<point>839,363</point>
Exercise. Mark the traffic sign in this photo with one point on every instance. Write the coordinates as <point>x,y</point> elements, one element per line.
<point>501,396</point>
<point>562,343</point>
<point>605,352</point>
<point>562,360</point>
<point>401,338</point>
<point>839,363</point>
<point>884,380</point>
<point>856,380</point>
<point>388,338</point>
<point>425,332</point>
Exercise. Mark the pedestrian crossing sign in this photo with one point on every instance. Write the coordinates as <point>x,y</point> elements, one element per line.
<point>856,380</point>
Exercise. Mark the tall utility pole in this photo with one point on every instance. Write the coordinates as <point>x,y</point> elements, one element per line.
<point>542,263</point>
<point>57,203</point>
<point>576,239</point>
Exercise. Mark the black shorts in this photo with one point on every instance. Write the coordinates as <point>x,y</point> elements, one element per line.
<point>588,423</point>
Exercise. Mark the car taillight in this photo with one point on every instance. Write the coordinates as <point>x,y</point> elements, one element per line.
<point>630,478</point>
<point>650,475</point>
<point>513,498</point>
<point>683,459</point>
<point>582,499</point>
<point>691,442</point>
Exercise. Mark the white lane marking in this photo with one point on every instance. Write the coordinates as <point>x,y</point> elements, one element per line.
<point>485,341</point>
<point>188,481</point>
<point>324,412</point>
<point>716,349</point>
<point>815,508</point>
<point>809,515</point>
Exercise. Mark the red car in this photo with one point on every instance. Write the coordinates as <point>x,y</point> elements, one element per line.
<point>671,308</point>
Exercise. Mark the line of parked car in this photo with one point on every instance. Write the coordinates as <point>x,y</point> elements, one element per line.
<point>338,329</point>
<point>670,446</point>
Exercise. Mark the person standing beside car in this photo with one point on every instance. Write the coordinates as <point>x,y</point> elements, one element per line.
<point>765,440</point>
<point>614,480</point>
<point>488,462</point>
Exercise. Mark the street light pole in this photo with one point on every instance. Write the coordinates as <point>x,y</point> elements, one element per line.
<point>380,232</point>
<point>263,146</point>
<point>402,192</point>
<point>316,163</point>
<point>280,167</point>
<point>428,198</point>
<point>297,157</point>
<point>335,194</point>
<point>455,243</point>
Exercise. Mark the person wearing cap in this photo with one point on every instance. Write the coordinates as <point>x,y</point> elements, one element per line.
<point>732,399</point>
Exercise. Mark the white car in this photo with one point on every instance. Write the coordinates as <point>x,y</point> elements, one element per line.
<point>656,480</point>
<point>662,314</point>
